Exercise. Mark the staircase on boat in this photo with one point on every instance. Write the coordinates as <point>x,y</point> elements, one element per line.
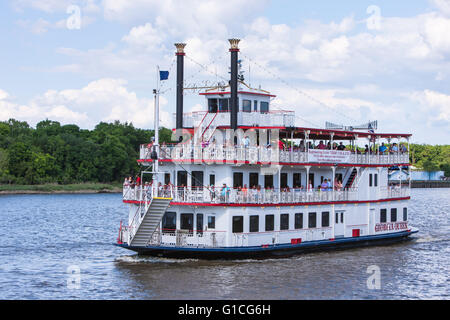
<point>351,178</point>
<point>153,214</point>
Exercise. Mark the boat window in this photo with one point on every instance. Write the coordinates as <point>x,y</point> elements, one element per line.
<point>370,180</point>
<point>375,182</point>
<point>212,105</point>
<point>224,105</point>
<point>393,214</point>
<point>246,105</point>
<point>312,220</point>
<point>284,221</point>
<point>283,180</point>
<point>238,224</point>
<point>325,219</point>
<point>383,215</point>
<point>169,221</point>
<point>211,222</point>
<point>337,217</point>
<point>405,214</point>
<point>238,179</point>
<point>270,222</point>
<point>253,179</point>
<point>298,221</point>
<point>254,223</point>
<point>200,223</point>
<point>297,181</point>
<point>311,179</point>
<point>264,107</point>
<point>181,178</point>
<point>212,179</point>
<point>187,221</point>
<point>166,178</point>
<point>255,105</point>
<point>268,181</point>
<point>197,179</point>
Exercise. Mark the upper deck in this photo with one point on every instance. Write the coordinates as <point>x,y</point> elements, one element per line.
<point>262,155</point>
<point>221,119</point>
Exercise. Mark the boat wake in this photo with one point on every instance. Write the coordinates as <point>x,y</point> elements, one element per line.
<point>427,239</point>
<point>136,259</point>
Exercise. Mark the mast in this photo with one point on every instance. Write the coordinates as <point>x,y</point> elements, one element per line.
<point>234,83</point>
<point>155,152</point>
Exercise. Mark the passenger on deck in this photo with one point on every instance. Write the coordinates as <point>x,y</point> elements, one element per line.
<point>382,148</point>
<point>244,192</point>
<point>138,180</point>
<point>321,146</point>
<point>403,149</point>
<point>341,146</point>
<point>394,148</point>
<point>225,192</point>
<point>302,146</point>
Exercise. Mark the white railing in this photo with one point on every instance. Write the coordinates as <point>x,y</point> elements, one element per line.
<point>250,196</point>
<point>280,236</point>
<point>396,191</point>
<point>144,194</point>
<point>276,118</point>
<point>186,238</point>
<point>217,153</point>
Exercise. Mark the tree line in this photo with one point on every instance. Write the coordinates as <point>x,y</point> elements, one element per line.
<point>64,154</point>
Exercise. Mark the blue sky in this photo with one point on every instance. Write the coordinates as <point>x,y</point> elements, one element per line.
<point>396,72</point>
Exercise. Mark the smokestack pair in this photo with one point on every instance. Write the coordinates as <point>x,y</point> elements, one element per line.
<point>233,82</point>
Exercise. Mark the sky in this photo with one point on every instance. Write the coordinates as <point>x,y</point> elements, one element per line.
<point>347,62</point>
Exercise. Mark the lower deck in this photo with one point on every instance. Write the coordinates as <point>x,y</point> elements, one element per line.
<point>272,251</point>
<point>228,226</point>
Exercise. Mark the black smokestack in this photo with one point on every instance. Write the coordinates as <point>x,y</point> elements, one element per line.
<point>234,83</point>
<point>180,79</point>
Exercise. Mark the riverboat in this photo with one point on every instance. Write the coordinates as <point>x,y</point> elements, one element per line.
<point>245,182</point>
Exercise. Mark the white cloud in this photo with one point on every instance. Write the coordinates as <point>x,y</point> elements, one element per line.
<point>101,100</point>
<point>435,108</point>
<point>392,74</point>
<point>52,6</point>
<point>442,5</point>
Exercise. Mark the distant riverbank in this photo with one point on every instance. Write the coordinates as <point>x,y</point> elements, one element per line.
<point>430,184</point>
<point>61,189</point>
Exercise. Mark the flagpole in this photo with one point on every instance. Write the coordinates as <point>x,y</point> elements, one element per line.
<point>156,143</point>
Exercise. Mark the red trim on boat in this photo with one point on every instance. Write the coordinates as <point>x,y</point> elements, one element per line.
<point>204,204</point>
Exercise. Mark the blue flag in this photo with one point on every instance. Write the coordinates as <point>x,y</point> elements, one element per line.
<point>163,75</point>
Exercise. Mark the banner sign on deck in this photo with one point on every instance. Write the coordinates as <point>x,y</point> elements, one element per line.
<point>328,156</point>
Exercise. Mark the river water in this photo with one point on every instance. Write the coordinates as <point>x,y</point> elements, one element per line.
<point>46,237</point>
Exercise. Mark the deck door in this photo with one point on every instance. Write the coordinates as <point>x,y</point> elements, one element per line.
<point>339,224</point>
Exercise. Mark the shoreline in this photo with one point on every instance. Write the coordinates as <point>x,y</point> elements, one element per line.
<point>87,188</point>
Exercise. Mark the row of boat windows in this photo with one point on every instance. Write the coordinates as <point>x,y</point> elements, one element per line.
<point>238,222</point>
<point>383,215</point>
<point>254,179</point>
<point>169,222</point>
<point>224,105</point>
